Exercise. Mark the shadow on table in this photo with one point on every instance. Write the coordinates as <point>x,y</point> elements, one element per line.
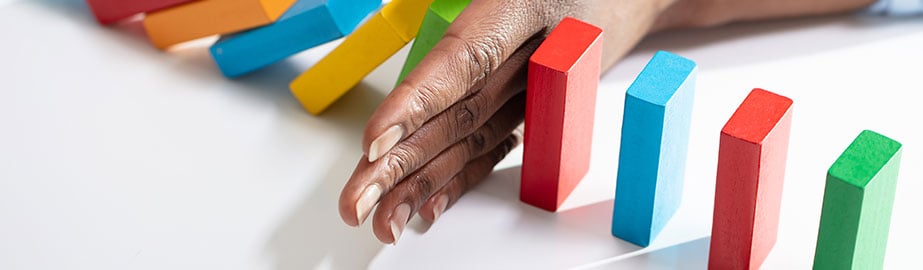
<point>313,235</point>
<point>689,255</point>
<point>490,228</point>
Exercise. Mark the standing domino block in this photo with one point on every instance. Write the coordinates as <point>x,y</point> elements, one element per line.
<point>361,52</point>
<point>436,21</point>
<point>560,104</point>
<point>748,192</point>
<point>856,215</point>
<point>652,157</point>
<point>205,18</point>
<point>308,23</point>
<point>111,11</point>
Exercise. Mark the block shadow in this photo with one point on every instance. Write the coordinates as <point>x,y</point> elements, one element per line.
<point>491,215</point>
<point>689,255</point>
<point>312,234</point>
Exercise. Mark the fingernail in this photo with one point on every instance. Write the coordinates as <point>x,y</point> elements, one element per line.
<point>440,206</point>
<point>385,142</point>
<point>368,199</point>
<point>399,220</point>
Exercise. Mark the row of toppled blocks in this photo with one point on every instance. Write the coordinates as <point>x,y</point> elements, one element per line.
<point>258,33</point>
<point>562,80</point>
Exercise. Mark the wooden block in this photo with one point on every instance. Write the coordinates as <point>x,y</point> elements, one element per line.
<point>206,18</point>
<point>560,105</point>
<point>308,23</point>
<point>111,11</point>
<point>360,53</point>
<point>748,193</point>
<point>437,19</point>
<point>405,16</point>
<point>652,155</point>
<point>858,199</point>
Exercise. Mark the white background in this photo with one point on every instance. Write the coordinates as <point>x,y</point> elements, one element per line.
<point>114,155</point>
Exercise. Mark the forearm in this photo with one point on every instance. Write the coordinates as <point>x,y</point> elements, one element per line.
<point>627,22</point>
<point>707,13</point>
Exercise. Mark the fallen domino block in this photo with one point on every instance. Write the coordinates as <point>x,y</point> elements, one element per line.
<point>858,198</point>
<point>652,157</point>
<point>371,44</point>
<point>308,23</point>
<point>748,192</point>
<point>560,104</point>
<point>111,11</point>
<point>206,18</point>
<point>437,19</point>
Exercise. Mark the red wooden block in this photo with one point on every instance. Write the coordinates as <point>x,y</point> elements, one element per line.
<point>748,192</point>
<point>110,11</point>
<point>560,104</point>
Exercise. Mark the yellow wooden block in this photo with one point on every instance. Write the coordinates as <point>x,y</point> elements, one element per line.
<point>360,53</point>
<point>405,16</point>
<point>205,18</point>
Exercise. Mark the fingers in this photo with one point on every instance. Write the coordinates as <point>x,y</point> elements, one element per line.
<point>371,180</point>
<point>485,35</point>
<point>473,174</point>
<point>458,122</point>
<point>397,207</point>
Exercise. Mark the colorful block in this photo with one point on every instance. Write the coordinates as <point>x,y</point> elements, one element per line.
<point>858,198</point>
<point>360,53</point>
<point>652,157</point>
<point>405,16</point>
<point>560,105</point>
<point>437,19</point>
<point>111,11</point>
<point>308,23</point>
<point>748,193</point>
<point>206,18</point>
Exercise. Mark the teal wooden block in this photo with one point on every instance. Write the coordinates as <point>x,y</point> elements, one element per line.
<point>859,194</point>
<point>652,157</point>
<point>307,24</point>
<point>440,15</point>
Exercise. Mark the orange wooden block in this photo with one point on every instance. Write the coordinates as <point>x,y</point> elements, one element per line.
<point>205,18</point>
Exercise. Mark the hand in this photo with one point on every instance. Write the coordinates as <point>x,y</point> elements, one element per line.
<point>455,116</point>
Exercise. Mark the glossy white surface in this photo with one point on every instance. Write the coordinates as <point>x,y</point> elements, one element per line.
<point>116,156</point>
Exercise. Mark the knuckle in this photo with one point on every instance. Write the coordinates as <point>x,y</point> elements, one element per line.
<point>468,114</point>
<point>552,11</point>
<point>401,160</point>
<point>477,142</point>
<point>505,148</point>
<point>466,182</point>
<point>423,185</point>
<point>422,104</point>
<point>479,55</point>
<point>500,151</point>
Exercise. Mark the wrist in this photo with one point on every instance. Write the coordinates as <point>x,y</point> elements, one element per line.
<point>707,13</point>
<point>690,14</point>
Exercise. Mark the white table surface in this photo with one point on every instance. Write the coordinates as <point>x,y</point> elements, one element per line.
<point>114,155</point>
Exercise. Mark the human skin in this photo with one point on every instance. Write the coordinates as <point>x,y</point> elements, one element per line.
<point>459,112</point>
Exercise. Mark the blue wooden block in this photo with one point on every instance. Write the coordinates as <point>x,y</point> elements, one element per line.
<point>652,158</point>
<point>308,23</point>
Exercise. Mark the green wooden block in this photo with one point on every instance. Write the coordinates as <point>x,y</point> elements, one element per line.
<point>440,15</point>
<point>859,195</point>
